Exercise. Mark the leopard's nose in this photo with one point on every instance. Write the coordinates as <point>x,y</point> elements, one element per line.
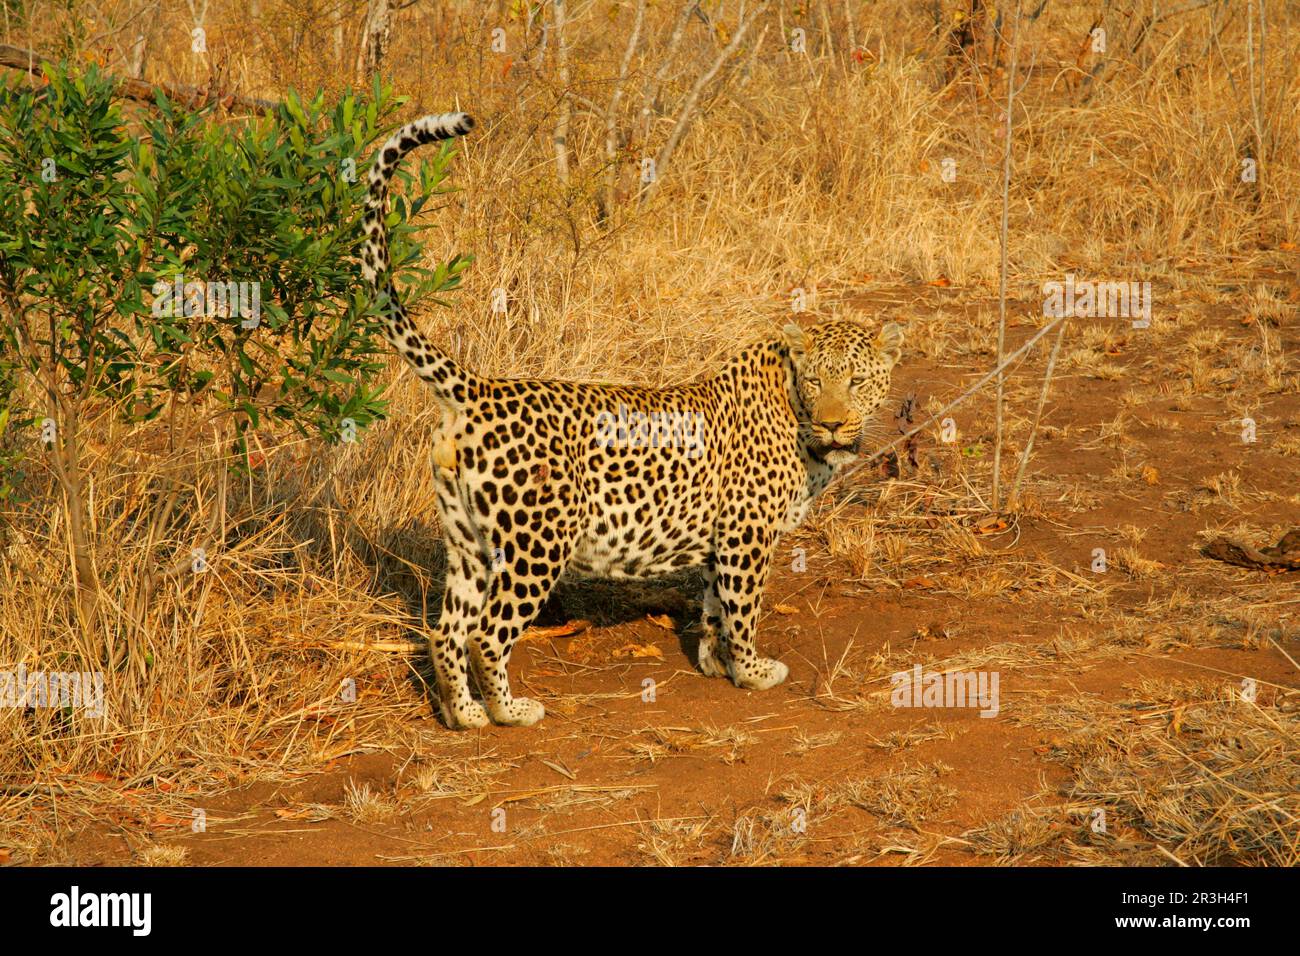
<point>831,426</point>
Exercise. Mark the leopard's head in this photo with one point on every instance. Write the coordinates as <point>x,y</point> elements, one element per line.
<point>842,374</point>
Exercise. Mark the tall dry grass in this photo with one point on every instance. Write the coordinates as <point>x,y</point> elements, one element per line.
<point>818,172</point>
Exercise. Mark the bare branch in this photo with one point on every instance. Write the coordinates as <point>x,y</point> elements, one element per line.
<point>686,115</point>
<point>560,137</point>
<point>615,99</point>
<point>650,97</point>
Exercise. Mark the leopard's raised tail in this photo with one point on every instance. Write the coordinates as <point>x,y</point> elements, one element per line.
<point>431,363</point>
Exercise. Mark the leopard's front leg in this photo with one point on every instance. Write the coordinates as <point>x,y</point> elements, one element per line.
<point>712,653</point>
<point>743,563</point>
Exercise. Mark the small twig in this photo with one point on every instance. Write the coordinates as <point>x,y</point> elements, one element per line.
<point>828,46</point>
<point>1008,361</point>
<point>114,30</point>
<point>1283,652</point>
<point>1038,415</point>
<point>1002,277</point>
<point>1170,855</point>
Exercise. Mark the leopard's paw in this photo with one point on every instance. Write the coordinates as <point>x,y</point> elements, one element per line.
<point>519,712</point>
<point>758,674</point>
<point>465,715</point>
<point>710,660</point>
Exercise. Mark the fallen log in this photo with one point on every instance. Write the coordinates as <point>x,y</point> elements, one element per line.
<point>1283,556</point>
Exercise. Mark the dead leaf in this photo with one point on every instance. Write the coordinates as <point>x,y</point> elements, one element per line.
<point>562,705</point>
<point>560,769</point>
<point>991,525</point>
<point>568,629</point>
<point>1150,475</point>
<point>786,609</point>
<point>918,582</point>
<point>661,620</point>
<point>639,650</point>
<point>291,813</point>
<point>933,632</point>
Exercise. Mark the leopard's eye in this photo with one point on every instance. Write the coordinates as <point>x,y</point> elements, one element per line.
<point>813,382</point>
<point>858,380</point>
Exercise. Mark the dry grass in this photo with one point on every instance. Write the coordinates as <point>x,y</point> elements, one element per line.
<point>906,797</point>
<point>1187,772</point>
<point>163,856</point>
<point>726,743</point>
<point>363,805</point>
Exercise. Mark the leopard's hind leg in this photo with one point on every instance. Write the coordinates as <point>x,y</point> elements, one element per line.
<point>518,587</point>
<point>462,599</point>
<point>468,575</point>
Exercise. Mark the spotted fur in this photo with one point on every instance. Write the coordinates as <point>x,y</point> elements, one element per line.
<point>536,478</point>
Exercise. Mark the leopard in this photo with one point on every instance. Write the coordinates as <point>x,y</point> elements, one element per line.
<point>538,479</point>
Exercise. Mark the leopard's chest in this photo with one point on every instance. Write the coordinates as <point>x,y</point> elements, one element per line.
<point>814,477</point>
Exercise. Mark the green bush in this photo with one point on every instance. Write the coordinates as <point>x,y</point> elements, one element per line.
<point>101,212</point>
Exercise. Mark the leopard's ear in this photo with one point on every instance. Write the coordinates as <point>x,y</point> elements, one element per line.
<point>797,339</point>
<point>890,342</point>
